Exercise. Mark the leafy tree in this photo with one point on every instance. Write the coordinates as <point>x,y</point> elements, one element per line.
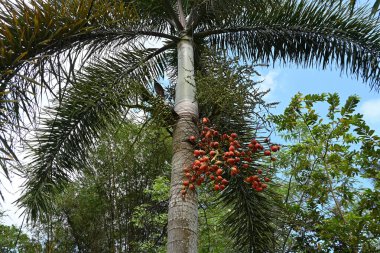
<point>13,240</point>
<point>332,194</point>
<point>40,40</point>
<point>115,205</point>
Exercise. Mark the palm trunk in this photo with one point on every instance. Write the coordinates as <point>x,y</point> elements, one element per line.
<point>183,211</point>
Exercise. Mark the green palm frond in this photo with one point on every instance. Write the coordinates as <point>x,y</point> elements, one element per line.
<point>102,95</point>
<point>251,218</point>
<point>43,44</point>
<point>307,33</point>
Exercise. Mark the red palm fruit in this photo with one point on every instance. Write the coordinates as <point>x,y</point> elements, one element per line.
<point>203,167</point>
<point>253,141</point>
<point>214,167</point>
<point>219,172</point>
<point>242,153</point>
<point>202,152</point>
<point>205,120</point>
<point>257,146</point>
<point>255,178</point>
<point>266,179</point>
<point>274,148</point>
<point>231,153</point>
<point>186,183</point>
<point>264,186</point>
<point>208,135</point>
<point>230,139</point>
<point>204,159</point>
<point>225,181</point>
<point>192,187</point>
<point>231,148</point>
<point>266,140</point>
<point>219,163</point>
<point>186,170</point>
<point>197,153</point>
<point>267,153</point>
<point>216,187</point>
<point>188,175</point>
<point>199,182</point>
<point>215,144</point>
<point>234,171</point>
<point>222,187</point>
<point>248,159</point>
<point>219,178</point>
<point>261,147</point>
<point>245,166</point>
<point>259,189</point>
<point>212,153</point>
<point>212,177</point>
<point>192,139</point>
<point>215,133</point>
<point>250,145</point>
<point>234,135</point>
<point>249,179</point>
<point>237,159</point>
<point>260,171</point>
<point>197,163</point>
<point>237,153</point>
<point>231,161</point>
<point>193,178</point>
<point>255,184</point>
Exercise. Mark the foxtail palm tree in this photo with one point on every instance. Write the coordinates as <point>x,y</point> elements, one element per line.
<point>97,48</point>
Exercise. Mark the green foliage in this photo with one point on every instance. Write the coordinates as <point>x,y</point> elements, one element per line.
<point>13,240</point>
<point>332,171</point>
<point>114,204</point>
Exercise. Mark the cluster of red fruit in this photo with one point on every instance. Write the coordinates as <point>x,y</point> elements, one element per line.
<point>220,157</point>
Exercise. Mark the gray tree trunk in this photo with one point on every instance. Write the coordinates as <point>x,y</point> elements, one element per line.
<point>183,210</point>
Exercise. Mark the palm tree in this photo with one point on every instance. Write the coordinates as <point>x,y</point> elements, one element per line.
<point>91,55</point>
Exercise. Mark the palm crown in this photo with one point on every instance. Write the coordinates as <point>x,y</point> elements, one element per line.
<point>94,52</point>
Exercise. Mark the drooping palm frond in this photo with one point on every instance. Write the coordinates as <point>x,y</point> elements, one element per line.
<point>307,33</point>
<point>43,43</point>
<point>102,95</point>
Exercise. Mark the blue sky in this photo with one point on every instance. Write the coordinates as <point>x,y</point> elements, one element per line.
<point>285,82</point>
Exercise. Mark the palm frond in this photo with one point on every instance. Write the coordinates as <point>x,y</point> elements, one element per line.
<point>103,93</point>
<point>307,33</point>
<point>43,44</point>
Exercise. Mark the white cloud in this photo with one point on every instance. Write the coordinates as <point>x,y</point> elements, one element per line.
<point>269,83</point>
<point>371,110</point>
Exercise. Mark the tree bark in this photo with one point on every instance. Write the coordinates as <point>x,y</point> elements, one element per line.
<point>183,210</point>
